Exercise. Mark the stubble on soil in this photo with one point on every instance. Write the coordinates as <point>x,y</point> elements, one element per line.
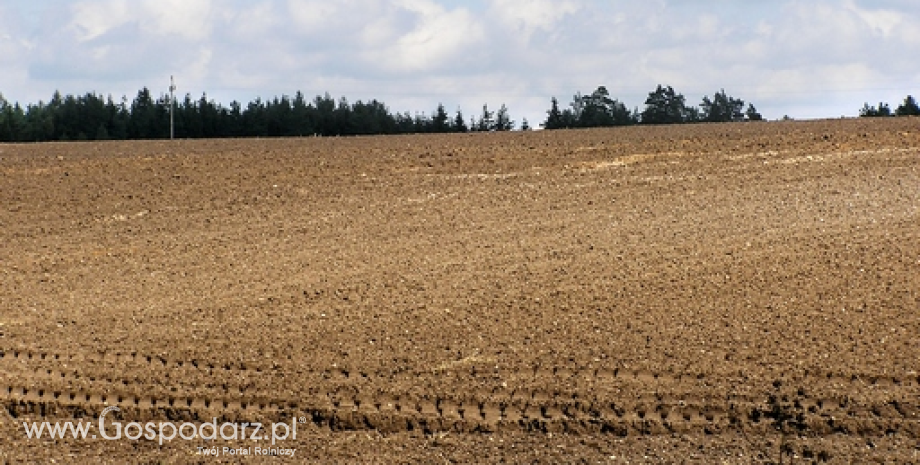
<point>729,292</point>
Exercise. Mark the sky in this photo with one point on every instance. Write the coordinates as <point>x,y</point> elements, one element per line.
<point>805,59</point>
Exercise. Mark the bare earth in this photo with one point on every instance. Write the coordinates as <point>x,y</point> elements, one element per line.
<point>705,293</point>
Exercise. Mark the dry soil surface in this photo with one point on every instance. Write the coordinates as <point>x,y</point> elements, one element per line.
<point>707,293</point>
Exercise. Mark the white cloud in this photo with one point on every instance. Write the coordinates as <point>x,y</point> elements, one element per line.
<point>880,20</point>
<point>190,19</point>
<point>92,19</point>
<point>439,39</point>
<point>311,16</point>
<point>248,22</point>
<point>528,16</point>
<point>184,18</point>
<point>785,56</point>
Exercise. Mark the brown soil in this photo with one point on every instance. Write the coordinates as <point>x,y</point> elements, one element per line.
<point>736,293</point>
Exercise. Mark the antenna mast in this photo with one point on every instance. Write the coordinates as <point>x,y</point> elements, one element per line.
<point>172,101</point>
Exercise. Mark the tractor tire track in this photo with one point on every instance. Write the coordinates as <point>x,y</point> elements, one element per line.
<point>47,385</point>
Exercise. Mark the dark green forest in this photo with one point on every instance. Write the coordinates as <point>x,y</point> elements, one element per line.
<point>94,117</point>
<point>908,108</point>
<point>664,105</point>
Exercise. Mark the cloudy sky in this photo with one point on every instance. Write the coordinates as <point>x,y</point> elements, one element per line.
<point>807,59</point>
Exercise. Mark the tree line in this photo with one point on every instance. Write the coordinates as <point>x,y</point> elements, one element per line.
<point>664,105</point>
<point>93,117</point>
<point>908,108</point>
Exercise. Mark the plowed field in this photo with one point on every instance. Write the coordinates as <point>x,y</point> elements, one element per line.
<point>703,293</point>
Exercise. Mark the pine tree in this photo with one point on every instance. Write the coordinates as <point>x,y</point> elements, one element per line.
<point>908,108</point>
<point>503,121</point>
<point>553,116</point>
<point>486,121</point>
<point>884,109</point>
<point>664,106</point>
<point>459,124</point>
<point>752,114</point>
<point>440,121</point>
<point>722,108</point>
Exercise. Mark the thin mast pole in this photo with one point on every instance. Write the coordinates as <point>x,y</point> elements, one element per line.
<point>172,101</point>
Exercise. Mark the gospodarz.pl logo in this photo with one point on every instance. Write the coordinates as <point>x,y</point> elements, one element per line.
<point>168,431</point>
